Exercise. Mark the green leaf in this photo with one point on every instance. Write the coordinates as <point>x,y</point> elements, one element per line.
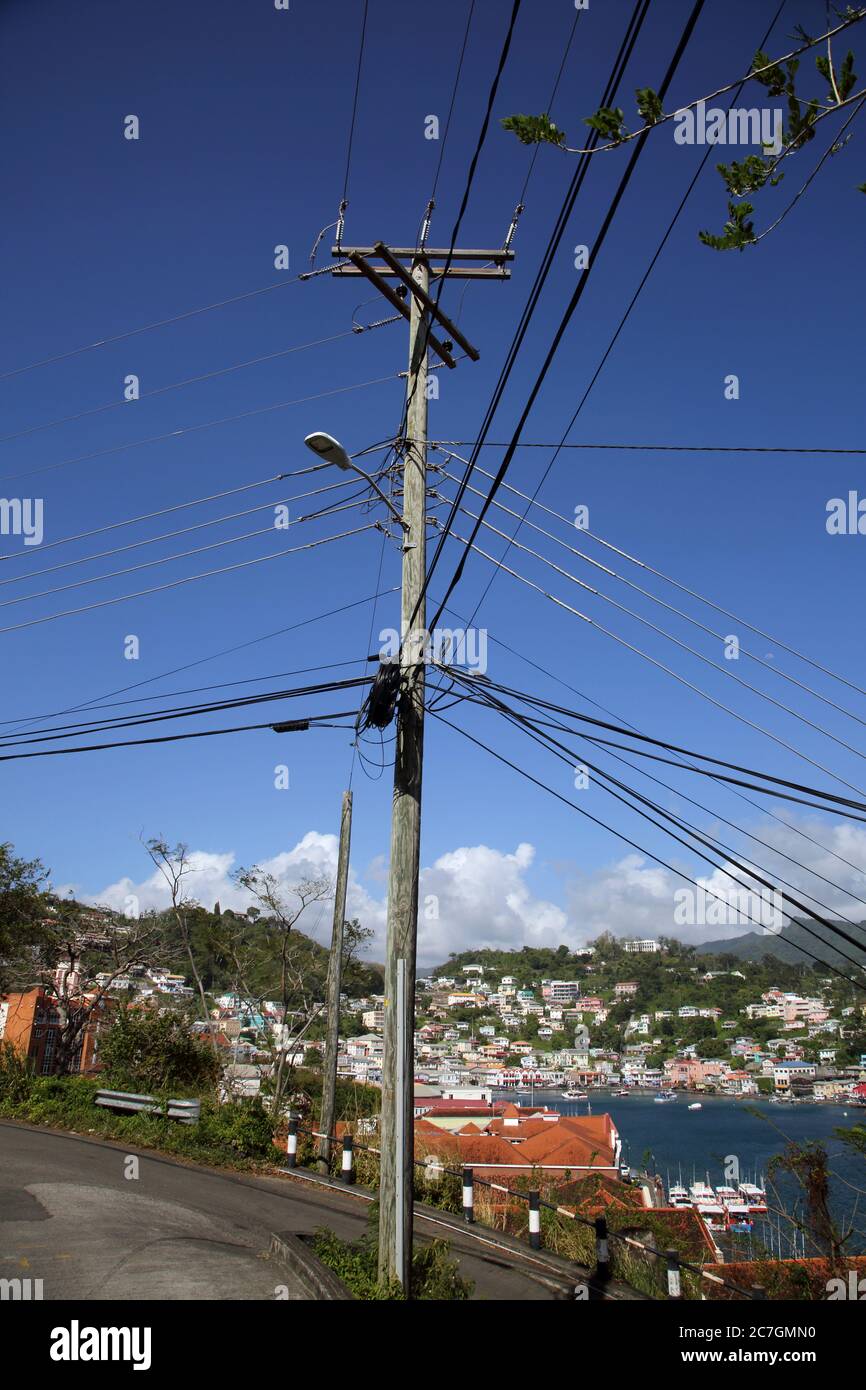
<point>738,232</point>
<point>649,105</point>
<point>608,121</point>
<point>534,130</point>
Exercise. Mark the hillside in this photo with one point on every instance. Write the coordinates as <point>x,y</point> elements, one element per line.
<point>785,946</point>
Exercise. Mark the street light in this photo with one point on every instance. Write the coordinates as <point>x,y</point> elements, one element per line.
<point>332,451</point>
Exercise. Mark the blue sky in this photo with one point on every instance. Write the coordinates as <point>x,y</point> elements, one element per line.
<point>244,116</point>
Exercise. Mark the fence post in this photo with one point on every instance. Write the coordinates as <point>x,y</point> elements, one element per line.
<point>348,1160</point>
<point>602,1249</point>
<point>468,1196</point>
<point>292,1145</point>
<point>674,1284</point>
<point>535,1219</point>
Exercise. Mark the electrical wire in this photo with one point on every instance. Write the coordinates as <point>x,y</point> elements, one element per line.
<point>633,301</point>
<point>188,579</point>
<point>195,380</point>
<point>605,744</point>
<point>550,100</point>
<point>620,63</point>
<point>632,729</point>
<point>330,510</point>
<point>148,328</point>
<point>131,721</point>
<point>203,425</point>
<point>638,651</point>
<point>200,661</point>
<point>646,448</point>
<point>453,98</point>
<point>312,720</point>
<point>533,501</point>
<point>626,839</point>
<point>355,102</point>
<point>182,531</point>
<point>693,651</point>
<point>577,295</point>
<point>567,755</point>
<point>828,797</point>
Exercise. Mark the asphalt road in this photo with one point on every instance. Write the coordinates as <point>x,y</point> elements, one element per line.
<point>71,1216</point>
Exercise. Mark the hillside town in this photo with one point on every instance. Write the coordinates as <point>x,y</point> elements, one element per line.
<point>477,1027</point>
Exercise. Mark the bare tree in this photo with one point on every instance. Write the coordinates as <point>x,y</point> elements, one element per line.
<point>69,931</point>
<point>174,866</point>
<point>269,961</point>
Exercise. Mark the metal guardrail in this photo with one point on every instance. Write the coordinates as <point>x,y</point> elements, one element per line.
<point>188,1112</point>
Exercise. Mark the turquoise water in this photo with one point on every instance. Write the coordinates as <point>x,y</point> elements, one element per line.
<point>693,1144</point>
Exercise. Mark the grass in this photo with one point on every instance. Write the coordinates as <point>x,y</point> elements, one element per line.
<point>434,1275</point>
<point>235,1135</point>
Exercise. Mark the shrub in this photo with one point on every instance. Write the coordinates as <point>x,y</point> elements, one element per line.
<point>156,1053</point>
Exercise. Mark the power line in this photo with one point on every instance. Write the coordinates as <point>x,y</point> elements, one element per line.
<point>169,535</point>
<point>201,661</point>
<point>638,651</point>
<point>453,98</point>
<point>330,510</point>
<point>620,62</point>
<point>604,745</point>
<point>619,834</point>
<point>597,593</point>
<point>522,199</point>
<point>188,579</point>
<point>470,178</point>
<point>646,448</point>
<point>646,593</point>
<point>632,729</point>
<point>146,516</point>
<point>148,327</point>
<point>639,289</point>
<point>202,689</point>
<point>576,296</point>
<point>204,425</point>
<point>692,593</point>
<point>311,720</point>
<point>355,102</point>
<point>831,797</point>
<point>567,755</point>
<point>131,721</point>
<point>195,380</point>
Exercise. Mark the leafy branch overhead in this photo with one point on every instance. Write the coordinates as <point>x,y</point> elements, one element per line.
<point>793,128</point>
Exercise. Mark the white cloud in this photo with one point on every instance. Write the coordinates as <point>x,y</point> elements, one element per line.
<point>477,896</point>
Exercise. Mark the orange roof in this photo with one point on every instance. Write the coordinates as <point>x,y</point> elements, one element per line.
<point>571,1142</point>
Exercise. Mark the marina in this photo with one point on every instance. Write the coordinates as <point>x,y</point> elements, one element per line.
<point>695,1152</point>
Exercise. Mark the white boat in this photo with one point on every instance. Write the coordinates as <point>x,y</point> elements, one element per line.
<point>574,1095</point>
<point>664,1096</point>
<point>754,1197</point>
<point>678,1196</point>
<point>707,1204</point>
<point>696,1106</point>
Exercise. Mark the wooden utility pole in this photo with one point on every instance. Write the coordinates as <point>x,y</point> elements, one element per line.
<point>397,1134</point>
<point>398,1072</point>
<point>335,984</point>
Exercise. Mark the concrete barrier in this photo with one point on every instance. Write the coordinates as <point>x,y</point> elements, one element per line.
<point>320,1282</point>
